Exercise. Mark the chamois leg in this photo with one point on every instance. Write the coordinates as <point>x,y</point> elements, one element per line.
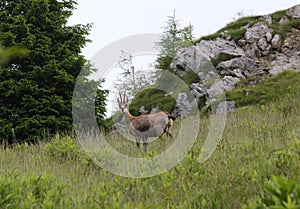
<point>145,143</point>
<point>137,142</point>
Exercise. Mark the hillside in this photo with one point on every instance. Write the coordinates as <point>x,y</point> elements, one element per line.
<point>251,48</point>
<point>256,163</point>
<point>259,142</point>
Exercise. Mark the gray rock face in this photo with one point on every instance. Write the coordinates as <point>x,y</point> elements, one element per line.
<point>143,111</point>
<point>198,90</point>
<point>237,67</point>
<point>225,107</point>
<point>219,87</point>
<point>184,107</point>
<point>258,40</point>
<point>294,12</point>
<point>283,62</point>
<point>262,44</point>
<point>211,49</point>
<point>252,57</point>
<point>268,18</point>
<point>191,58</point>
<point>188,58</point>
<point>256,32</point>
<point>276,41</point>
<point>284,20</point>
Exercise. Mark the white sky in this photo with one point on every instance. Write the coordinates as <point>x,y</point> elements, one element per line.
<point>115,19</point>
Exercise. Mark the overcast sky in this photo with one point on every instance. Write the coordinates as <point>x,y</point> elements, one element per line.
<point>115,19</point>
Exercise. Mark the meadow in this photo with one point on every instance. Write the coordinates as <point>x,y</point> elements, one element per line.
<point>255,165</point>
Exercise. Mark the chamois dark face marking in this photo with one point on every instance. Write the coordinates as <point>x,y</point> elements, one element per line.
<point>144,126</point>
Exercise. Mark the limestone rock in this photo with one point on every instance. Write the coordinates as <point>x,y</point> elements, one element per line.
<point>219,87</point>
<point>256,32</point>
<point>283,20</point>
<point>191,58</point>
<point>268,18</point>
<point>236,67</point>
<point>184,107</point>
<point>262,44</point>
<point>276,41</point>
<point>294,12</point>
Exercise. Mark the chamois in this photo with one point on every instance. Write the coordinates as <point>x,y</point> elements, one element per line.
<point>144,126</point>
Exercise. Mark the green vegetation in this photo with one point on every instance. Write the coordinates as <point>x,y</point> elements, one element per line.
<point>241,22</point>
<point>281,192</point>
<point>285,85</point>
<point>174,37</point>
<point>255,165</point>
<point>235,174</point>
<point>150,98</point>
<point>236,29</point>
<point>36,90</point>
<point>222,57</point>
<point>190,77</point>
<point>283,29</point>
<point>30,191</point>
<point>237,34</point>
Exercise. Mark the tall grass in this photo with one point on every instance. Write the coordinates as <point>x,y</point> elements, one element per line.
<point>259,142</point>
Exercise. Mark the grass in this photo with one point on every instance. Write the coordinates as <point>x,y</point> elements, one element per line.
<point>150,98</point>
<point>285,85</point>
<point>222,57</point>
<point>259,141</point>
<point>236,29</point>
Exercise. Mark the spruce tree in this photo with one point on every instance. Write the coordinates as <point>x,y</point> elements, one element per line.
<point>36,90</point>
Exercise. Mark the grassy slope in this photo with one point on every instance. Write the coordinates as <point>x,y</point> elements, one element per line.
<point>259,141</point>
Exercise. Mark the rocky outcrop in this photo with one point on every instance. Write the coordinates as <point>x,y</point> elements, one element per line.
<point>294,12</point>
<point>184,107</point>
<point>260,51</point>
<point>240,67</point>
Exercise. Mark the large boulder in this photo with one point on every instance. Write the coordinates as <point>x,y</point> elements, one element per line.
<point>191,58</point>
<point>184,107</point>
<point>218,88</point>
<point>283,62</point>
<point>238,67</point>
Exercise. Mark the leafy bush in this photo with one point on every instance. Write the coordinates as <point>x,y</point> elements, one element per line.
<point>63,149</point>
<point>279,193</point>
<point>30,192</point>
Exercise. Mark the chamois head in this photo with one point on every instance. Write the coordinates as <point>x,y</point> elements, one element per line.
<point>123,102</point>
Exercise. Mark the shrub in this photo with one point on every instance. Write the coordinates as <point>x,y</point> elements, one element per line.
<point>63,149</point>
<point>30,192</point>
<point>279,193</point>
<point>150,98</point>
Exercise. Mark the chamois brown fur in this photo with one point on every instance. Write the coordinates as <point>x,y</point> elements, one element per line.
<point>144,126</point>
